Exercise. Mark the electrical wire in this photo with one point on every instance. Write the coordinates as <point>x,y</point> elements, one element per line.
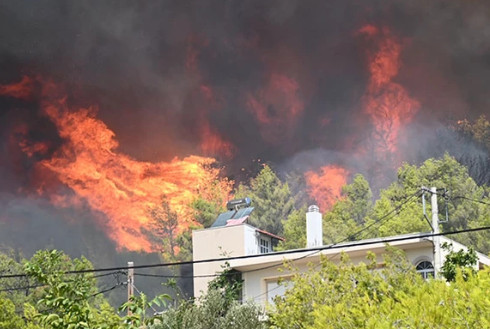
<point>65,281</point>
<point>358,243</point>
<point>389,240</point>
<point>221,259</point>
<point>22,288</point>
<point>231,258</point>
<point>349,237</point>
<point>328,258</point>
<point>469,199</point>
<point>109,289</point>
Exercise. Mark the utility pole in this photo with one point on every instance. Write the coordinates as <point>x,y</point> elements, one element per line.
<point>130,283</point>
<point>435,230</point>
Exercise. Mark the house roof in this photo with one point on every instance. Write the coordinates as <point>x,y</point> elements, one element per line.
<point>270,234</point>
<point>306,255</point>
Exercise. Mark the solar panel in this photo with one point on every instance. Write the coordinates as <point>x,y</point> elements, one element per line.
<point>243,212</point>
<point>232,214</point>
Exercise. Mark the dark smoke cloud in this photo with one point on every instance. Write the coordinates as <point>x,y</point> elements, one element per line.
<point>130,58</point>
<point>143,64</point>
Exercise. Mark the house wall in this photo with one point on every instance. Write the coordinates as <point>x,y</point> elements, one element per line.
<point>216,242</point>
<point>251,246</point>
<point>256,279</point>
<point>220,242</point>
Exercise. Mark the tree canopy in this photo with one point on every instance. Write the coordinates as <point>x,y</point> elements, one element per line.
<point>356,296</point>
<point>271,199</point>
<point>463,202</point>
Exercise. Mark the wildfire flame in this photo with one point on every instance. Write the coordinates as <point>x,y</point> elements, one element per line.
<point>120,190</point>
<point>21,89</point>
<point>276,107</point>
<point>213,144</point>
<point>388,105</point>
<point>326,186</point>
<point>386,102</point>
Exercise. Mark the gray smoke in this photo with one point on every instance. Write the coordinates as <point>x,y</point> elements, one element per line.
<point>144,64</point>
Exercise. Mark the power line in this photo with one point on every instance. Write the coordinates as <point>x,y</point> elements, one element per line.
<point>469,199</point>
<point>315,250</point>
<point>108,289</point>
<point>22,288</point>
<point>361,243</point>
<point>231,258</point>
<point>210,260</point>
<point>349,237</point>
<point>353,244</point>
<point>64,281</point>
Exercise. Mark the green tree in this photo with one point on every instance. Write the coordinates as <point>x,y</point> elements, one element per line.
<point>8,317</point>
<point>206,212</point>
<point>11,263</point>
<point>479,130</point>
<point>271,199</point>
<point>294,230</point>
<point>207,206</point>
<point>357,296</point>
<point>217,309</point>
<point>348,214</point>
<point>345,218</point>
<point>463,205</point>
<point>165,227</point>
<point>461,260</point>
<point>67,301</point>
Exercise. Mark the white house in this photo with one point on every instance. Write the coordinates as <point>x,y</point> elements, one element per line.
<point>260,272</point>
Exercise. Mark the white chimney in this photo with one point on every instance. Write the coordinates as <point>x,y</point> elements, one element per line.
<point>314,230</point>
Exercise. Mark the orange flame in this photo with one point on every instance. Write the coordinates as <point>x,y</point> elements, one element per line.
<point>21,89</point>
<point>19,137</point>
<point>276,107</point>
<point>120,190</point>
<point>387,103</point>
<point>213,144</point>
<point>326,187</point>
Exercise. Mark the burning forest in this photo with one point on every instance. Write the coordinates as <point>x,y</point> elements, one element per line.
<point>105,109</point>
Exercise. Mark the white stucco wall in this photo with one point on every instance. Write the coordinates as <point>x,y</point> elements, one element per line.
<point>220,242</point>
<point>251,247</point>
<point>216,242</point>
<point>257,272</point>
<point>241,240</point>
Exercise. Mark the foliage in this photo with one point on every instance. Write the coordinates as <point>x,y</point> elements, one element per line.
<point>346,217</point>
<point>348,214</point>
<point>177,243</point>
<point>356,296</point>
<point>445,173</point>
<point>65,301</point>
<point>271,199</point>
<point>219,308</point>
<point>461,260</point>
<point>11,263</point>
<point>165,227</point>
<point>294,230</point>
<point>208,206</point>
<point>137,308</point>
<point>478,130</point>
<point>212,311</point>
<point>206,212</point>
<point>229,283</point>
<point>8,317</point>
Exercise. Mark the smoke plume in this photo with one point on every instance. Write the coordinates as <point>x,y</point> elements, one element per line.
<point>94,92</point>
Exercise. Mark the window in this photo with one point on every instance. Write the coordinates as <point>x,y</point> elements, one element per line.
<point>426,269</point>
<point>276,288</point>
<point>265,246</point>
